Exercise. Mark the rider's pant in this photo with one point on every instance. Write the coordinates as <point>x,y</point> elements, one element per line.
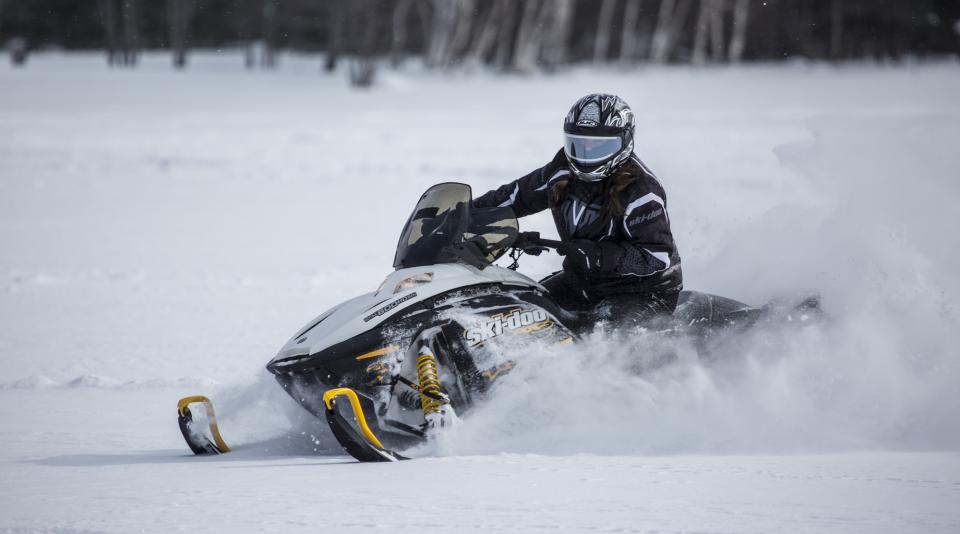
<point>619,309</point>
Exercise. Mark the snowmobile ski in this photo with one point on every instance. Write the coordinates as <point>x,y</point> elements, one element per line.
<point>200,443</point>
<point>363,444</point>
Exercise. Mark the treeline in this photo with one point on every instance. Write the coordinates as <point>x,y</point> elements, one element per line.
<point>509,35</point>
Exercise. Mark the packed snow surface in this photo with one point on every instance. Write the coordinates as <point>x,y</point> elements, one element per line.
<point>163,233</point>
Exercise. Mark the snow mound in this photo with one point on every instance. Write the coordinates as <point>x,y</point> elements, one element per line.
<point>93,381</point>
<point>30,382</point>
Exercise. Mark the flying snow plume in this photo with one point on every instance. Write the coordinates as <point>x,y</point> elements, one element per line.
<point>881,371</point>
<point>260,419</point>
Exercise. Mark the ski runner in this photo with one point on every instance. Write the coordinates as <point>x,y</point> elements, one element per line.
<point>620,260</point>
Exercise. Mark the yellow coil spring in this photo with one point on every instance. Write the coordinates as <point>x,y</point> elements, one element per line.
<point>429,379</point>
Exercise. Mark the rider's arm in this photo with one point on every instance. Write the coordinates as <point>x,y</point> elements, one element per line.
<point>529,194</point>
<point>646,245</point>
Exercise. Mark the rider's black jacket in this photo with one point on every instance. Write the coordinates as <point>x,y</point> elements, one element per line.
<point>636,250</point>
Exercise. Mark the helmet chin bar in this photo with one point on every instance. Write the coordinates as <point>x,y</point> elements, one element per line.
<point>594,176</point>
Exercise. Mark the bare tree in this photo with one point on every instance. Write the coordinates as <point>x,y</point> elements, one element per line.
<point>362,27</point>
<point>463,31</point>
<point>601,42</point>
<point>337,20</point>
<point>558,35</point>
<point>179,16</point>
<point>503,56</point>
<point>670,20</point>
<point>489,29</point>
<point>268,58</point>
<point>836,29</point>
<point>131,31</point>
<point>530,34</point>
<point>738,38</point>
<point>799,25</point>
<point>443,24</point>
<point>121,24</point>
<point>717,41</point>
<point>109,17</point>
<point>245,20</point>
<point>709,26</point>
<point>629,40</point>
<point>19,47</point>
<point>452,27</point>
<point>401,21</point>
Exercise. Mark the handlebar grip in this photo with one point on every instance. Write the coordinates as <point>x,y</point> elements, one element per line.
<point>534,239</point>
<point>549,243</point>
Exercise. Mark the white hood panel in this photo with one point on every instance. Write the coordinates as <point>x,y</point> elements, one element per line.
<point>365,312</point>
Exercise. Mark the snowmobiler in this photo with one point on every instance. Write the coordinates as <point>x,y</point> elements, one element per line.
<point>393,367</point>
<point>611,213</point>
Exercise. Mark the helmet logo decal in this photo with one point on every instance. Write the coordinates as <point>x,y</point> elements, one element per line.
<point>589,115</point>
<point>620,117</point>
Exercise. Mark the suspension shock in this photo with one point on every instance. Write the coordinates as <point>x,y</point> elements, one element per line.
<point>428,377</point>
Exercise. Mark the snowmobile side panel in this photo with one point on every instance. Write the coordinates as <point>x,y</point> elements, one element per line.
<point>395,297</point>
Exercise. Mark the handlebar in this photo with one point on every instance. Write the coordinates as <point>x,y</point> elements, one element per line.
<point>531,241</point>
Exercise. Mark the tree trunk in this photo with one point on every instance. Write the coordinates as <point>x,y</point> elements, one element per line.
<point>660,35</point>
<point>670,20</point>
<point>489,29</point>
<point>131,31</point>
<point>179,14</point>
<point>601,43</point>
<point>699,56</point>
<point>401,23</point>
<point>716,30</point>
<point>628,37</point>
<point>423,15</point>
<point>463,30</point>
<point>401,14</point>
<point>738,39</point>
<point>364,29</point>
<point>245,23</point>
<point>558,36</point>
<point>109,16</point>
<point>836,29</point>
<point>529,36</point>
<point>337,18</point>
<point>709,26</point>
<point>443,24</point>
<point>268,60</point>
<point>508,30</point>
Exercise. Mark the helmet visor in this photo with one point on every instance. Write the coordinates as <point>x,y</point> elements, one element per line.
<point>588,149</point>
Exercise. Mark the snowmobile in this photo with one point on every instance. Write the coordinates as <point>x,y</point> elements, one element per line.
<point>392,368</point>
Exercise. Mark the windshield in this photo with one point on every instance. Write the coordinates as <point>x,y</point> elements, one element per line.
<point>444,228</point>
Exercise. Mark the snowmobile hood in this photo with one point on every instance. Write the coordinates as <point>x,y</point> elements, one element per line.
<point>402,290</point>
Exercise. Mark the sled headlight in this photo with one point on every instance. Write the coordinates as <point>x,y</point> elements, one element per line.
<point>413,281</point>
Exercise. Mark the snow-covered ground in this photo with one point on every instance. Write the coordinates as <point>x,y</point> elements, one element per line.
<point>163,233</point>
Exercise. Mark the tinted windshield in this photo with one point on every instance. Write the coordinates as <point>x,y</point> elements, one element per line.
<point>445,229</point>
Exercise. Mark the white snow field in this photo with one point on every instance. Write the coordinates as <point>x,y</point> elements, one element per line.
<point>163,233</point>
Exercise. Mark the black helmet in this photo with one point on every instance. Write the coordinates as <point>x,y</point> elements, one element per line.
<point>597,136</point>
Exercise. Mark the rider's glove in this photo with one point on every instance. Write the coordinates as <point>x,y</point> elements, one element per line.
<point>581,256</point>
